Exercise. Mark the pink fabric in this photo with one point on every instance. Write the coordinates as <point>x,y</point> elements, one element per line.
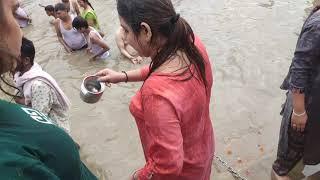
<point>174,125</point>
<point>24,83</point>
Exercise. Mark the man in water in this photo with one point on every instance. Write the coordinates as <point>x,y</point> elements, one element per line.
<point>70,38</point>
<point>39,89</point>
<point>125,49</point>
<point>31,147</point>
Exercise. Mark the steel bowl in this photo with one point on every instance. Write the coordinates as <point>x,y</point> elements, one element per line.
<point>91,89</point>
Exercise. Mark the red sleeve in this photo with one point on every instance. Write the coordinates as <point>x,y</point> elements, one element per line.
<point>165,157</point>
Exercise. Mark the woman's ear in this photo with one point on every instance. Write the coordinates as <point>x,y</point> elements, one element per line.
<point>146,32</point>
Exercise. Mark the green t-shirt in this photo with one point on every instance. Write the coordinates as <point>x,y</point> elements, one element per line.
<point>32,147</point>
<point>90,14</point>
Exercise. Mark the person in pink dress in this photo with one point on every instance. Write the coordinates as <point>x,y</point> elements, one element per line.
<point>171,108</point>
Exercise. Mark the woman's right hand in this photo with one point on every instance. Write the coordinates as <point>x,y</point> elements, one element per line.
<point>110,76</point>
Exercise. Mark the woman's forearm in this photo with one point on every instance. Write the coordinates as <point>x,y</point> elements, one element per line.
<point>135,75</point>
<point>298,102</point>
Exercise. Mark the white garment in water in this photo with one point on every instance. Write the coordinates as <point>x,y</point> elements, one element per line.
<point>21,12</point>
<point>94,48</point>
<point>73,38</point>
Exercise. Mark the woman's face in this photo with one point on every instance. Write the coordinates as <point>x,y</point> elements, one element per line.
<point>139,43</point>
<point>81,3</point>
<point>10,37</point>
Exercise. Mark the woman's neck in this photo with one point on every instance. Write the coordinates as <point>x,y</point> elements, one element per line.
<point>175,64</point>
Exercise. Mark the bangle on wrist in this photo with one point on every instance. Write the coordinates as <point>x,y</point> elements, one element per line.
<point>127,78</point>
<point>299,115</point>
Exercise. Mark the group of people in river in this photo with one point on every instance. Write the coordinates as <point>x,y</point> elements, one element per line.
<point>75,31</point>
<point>171,108</point>
<point>77,27</point>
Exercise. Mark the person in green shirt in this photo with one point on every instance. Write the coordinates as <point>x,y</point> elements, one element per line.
<point>89,14</point>
<point>31,146</point>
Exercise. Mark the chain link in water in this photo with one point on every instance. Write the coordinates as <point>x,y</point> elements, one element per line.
<point>233,172</point>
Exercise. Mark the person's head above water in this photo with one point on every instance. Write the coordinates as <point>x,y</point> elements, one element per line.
<point>10,36</point>
<point>80,24</point>
<point>61,11</point>
<point>49,10</point>
<point>155,30</point>
<point>27,55</point>
<point>85,4</point>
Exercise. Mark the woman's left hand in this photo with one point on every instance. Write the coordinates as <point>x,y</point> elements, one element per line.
<point>298,123</point>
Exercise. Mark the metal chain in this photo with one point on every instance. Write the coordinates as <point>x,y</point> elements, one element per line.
<point>233,172</point>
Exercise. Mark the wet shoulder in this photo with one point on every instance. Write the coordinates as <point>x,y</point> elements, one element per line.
<point>173,88</point>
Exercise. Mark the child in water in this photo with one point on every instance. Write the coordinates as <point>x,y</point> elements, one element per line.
<point>96,45</point>
<point>50,12</point>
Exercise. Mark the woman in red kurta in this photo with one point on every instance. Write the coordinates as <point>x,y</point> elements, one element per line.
<point>172,107</point>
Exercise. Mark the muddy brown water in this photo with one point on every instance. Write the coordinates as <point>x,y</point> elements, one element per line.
<point>250,42</point>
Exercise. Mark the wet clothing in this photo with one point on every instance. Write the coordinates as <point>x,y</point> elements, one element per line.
<point>304,76</point>
<point>172,115</point>
<point>32,147</point>
<point>72,37</point>
<point>90,14</point>
<point>21,12</point>
<point>94,48</point>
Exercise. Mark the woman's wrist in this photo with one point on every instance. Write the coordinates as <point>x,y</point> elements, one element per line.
<point>124,76</point>
<point>299,113</point>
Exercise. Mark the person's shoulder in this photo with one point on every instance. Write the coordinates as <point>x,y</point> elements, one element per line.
<point>22,115</point>
<point>55,21</point>
<point>313,21</point>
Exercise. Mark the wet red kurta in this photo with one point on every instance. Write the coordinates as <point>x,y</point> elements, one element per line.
<point>174,124</point>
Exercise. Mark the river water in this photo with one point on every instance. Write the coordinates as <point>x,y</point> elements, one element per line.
<point>251,43</point>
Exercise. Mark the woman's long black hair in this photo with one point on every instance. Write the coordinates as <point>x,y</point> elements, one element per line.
<point>163,20</point>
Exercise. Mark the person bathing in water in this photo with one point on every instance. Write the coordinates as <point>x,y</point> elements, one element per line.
<point>50,12</point>
<point>31,147</point>
<point>125,49</point>
<point>21,16</point>
<point>96,45</point>
<point>70,38</point>
<point>89,14</point>
<point>73,7</point>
